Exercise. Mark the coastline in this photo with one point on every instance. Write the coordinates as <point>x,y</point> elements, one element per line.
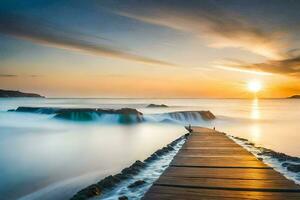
<point>129,177</point>
<point>288,166</point>
<point>106,186</point>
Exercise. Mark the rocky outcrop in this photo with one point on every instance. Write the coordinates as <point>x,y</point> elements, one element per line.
<point>294,97</point>
<point>293,167</point>
<point>291,163</point>
<point>12,93</point>
<point>123,198</point>
<point>157,106</point>
<point>136,184</point>
<point>123,116</point>
<point>277,155</point>
<point>111,181</point>
<point>191,115</point>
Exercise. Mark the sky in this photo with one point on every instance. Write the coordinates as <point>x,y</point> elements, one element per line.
<point>150,48</point>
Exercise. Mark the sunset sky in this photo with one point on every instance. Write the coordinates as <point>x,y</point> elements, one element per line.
<point>154,48</point>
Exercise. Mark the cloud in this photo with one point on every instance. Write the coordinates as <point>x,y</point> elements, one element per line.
<point>45,33</point>
<point>8,75</point>
<point>289,66</point>
<point>207,20</point>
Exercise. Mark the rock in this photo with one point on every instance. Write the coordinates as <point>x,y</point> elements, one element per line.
<point>123,198</point>
<point>151,158</point>
<point>90,191</point>
<point>12,93</point>
<point>292,167</point>
<point>125,115</point>
<point>108,182</point>
<point>241,139</point>
<point>191,115</point>
<point>111,181</point>
<point>294,97</point>
<point>157,106</point>
<point>137,184</point>
<point>277,155</point>
<point>134,168</point>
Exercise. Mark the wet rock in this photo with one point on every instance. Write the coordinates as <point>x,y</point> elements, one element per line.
<point>108,182</point>
<point>111,181</point>
<point>90,191</point>
<point>157,106</point>
<point>285,164</point>
<point>126,115</point>
<point>207,115</point>
<point>40,110</point>
<point>292,167</point>
<point>135,168</point>
<point>249,143</point>
<point>136,184</point>
<point>241,139</point>
<point>191,115</point>
<point>123,198</point>
<point>277,155</point>
<point>151,158</point>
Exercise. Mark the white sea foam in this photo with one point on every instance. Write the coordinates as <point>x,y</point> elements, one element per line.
<point>269,160</point>
<point>149,174</point>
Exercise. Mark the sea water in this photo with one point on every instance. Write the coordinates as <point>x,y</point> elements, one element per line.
<point>46,158</point>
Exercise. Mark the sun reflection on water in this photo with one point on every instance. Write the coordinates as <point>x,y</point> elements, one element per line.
<point>255,111</point>
<point>255,115</point>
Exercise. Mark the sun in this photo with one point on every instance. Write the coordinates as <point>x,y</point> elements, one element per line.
<point>254,86</point>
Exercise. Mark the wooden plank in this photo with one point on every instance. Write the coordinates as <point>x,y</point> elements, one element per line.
<point>242,162</point>
<point>212,166</point>
<point>214,152</point>
<point>174,193</point>
<point>223,173</point>
<point>230,184</point>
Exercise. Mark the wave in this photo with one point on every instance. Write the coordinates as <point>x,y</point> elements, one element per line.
<point>287,165</point>
<point>122,116</point>
<point>133,182</point>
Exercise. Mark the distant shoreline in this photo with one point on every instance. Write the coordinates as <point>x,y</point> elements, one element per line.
<point>17,94</point>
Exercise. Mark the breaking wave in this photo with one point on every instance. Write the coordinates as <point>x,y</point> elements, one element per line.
<point>287,165</point>
<point>120,116</point>
<point>133,182</point>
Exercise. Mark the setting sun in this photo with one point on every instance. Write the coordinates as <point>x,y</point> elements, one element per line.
<point>254,86</point>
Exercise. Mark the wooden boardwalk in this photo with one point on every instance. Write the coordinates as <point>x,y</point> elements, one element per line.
<point>212,166</point>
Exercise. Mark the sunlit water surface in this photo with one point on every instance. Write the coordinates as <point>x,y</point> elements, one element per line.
<point>45,158</point>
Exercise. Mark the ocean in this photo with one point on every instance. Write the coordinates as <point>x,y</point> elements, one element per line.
<point>42,157</point>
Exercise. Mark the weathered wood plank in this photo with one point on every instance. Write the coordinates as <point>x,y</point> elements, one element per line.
<point>167,193</point>
<point>229,184</point>
<point>212,166</point>
<point>223,173</point>
<point>243,162</point>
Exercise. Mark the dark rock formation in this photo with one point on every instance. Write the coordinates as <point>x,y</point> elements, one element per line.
<point>294,97</point>
<point>191,115</point>
<point>293,167</point>
<point>277,155</point>
<point>157,106</point>
<point>40,110</point>
<point>291,163</point>
<point>111,181</point>
<point>125,115</point>
<point>123,198</point>
<point>86,193</point>
<point>12,93</point>
<point>136,184</point>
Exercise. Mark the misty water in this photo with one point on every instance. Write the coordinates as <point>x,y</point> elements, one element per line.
<point>46,158</point>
